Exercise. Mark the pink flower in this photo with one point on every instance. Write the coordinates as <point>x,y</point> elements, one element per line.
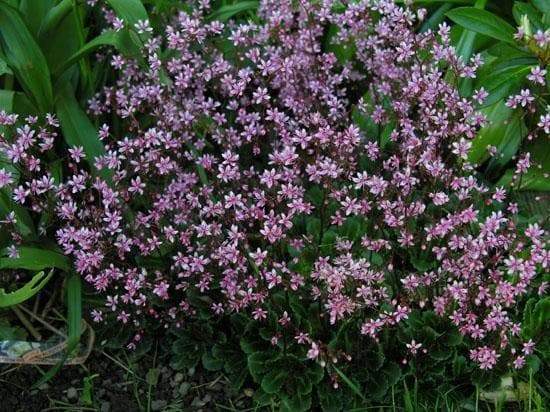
<point>313,352</point>
<point>413,347</point>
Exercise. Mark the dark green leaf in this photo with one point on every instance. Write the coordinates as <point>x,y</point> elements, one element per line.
<point>34,12</point>
<point>224,13</point>
<point>273,380</point>
<point>77,128</point>
<point>32,258</point>
<point>131,11</point>
<point>121,40</point>
<point>542,5</point>
<point>54,16</point>
<point>505,131</point>
<point>24,222</point>
<point>483,22</point>
<point>25,58</point>
<point>436,18</point>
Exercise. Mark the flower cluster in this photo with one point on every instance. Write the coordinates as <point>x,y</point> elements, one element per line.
<point>240,162</point>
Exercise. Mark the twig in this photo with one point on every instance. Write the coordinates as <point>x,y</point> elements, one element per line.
<point>43,322</point>
<point>26,323</point>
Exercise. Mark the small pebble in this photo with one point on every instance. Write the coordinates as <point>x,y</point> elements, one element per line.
<point>72,393</point>
<point>184,388</point>
<point>178,378</point>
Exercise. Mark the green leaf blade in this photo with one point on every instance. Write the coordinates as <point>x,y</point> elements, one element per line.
<point>483,22</point>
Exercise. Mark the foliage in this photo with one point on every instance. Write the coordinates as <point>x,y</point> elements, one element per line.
<point>321,201</point>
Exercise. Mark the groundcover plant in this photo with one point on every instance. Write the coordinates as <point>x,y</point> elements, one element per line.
<point>335,205</point>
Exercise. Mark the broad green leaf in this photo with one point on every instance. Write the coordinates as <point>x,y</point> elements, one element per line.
<point>501,82</point>
<point>54,16</point>
<point>483,22</point>
<point>34,12</point>
<point>77,128</point>
<point>256,364</point>
<point>225,13</point>
<point>24,222</point>
<point>532,180</point>
<point>542,5</point>
<point>537,178</point>
<point>4,68</point>
<point>504,51</point>
<point>505,131</point>
<point>26,292</point>
<point>25,58</point>
<point>33,258</point>
<point>273,380</point>
<point>60,44</point>
<point>121,40</point>
<point>465,46</point>
<point>295,403</point>
<point>6,102</point>
<point>130,11</point>
<point>436,18</point>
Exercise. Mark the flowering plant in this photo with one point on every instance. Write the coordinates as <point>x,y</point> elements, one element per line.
<point>308,200</point>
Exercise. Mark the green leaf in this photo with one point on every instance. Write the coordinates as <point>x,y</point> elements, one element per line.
<point>452,338</point>
<point>436,18</point>
<point>61,43</point>
<point>483,22</point>
<point>25,58</point>
<point>6,101</point>
<point>77,128</point>
<point>122,41</point>
<point>24,222</point>
<point>256,364</point>
<point>4,69</point>
<point>273,380</point>
<point>26,292</point>
<point>32,258</point>
<point>329,398</point>
<point>296,403</point>
<point>74,309</point>
<point>502,82</point>
<point>54,17</point>
<point>131,11</point>
<point>211,363</point>
<point>505,131</point>
<point>224,13</point>
<point>542,5</point>
<point>34,12</point>
<point>536,178</point>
